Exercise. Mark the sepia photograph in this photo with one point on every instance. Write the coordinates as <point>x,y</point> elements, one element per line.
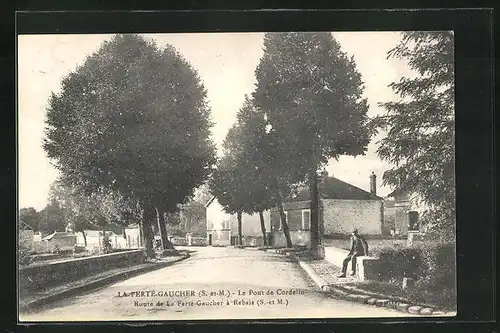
<point>236,176</point>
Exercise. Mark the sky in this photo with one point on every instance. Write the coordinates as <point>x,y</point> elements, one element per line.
<point>226,63</point>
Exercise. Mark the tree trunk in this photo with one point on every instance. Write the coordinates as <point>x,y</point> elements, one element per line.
<point>263,228</point>
<point>314,228</point>
<point>147,237</point>
<point>84,238</point>
<point>240,235</point>
<point>284,224</point>
<point>160,218</point>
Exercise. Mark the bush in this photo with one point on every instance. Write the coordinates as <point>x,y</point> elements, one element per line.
<point>106,243</point>
<point>438,267</point>
<point>433,266</point>
<point>24,257</point>
<point>401,262</point>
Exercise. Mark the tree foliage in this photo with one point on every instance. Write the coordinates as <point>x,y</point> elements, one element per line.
<point>311,95</point>
<point>202,194</point>
<point>420,141</point>
<point>52,218</point>
<point>132,119</point>
<point>29,216</point>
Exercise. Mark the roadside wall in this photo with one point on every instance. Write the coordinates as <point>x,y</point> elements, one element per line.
<point>42,275</point>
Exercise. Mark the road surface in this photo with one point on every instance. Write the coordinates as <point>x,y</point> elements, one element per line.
<point>215,283</point>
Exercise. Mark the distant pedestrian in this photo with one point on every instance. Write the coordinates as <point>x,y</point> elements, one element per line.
<point>359,247</point>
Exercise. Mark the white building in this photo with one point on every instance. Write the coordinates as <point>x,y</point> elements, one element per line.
<point>343,207</point>
<point>222,228</point>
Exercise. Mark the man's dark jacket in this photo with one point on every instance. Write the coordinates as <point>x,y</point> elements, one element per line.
<point>359,246</point>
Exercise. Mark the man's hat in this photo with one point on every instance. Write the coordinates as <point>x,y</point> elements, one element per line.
<point>355,231</point>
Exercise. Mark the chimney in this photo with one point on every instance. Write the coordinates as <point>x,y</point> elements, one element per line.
<point>373,184</point>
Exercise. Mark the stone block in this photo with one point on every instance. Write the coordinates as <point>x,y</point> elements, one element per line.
<point>362,298</point>
<point>367,268</point>
<point>339,292</point>
<point>371,301</point>
<point>415,309</point>
<point>402,306</point>
<point>426,311</point>
<point>438,313</point>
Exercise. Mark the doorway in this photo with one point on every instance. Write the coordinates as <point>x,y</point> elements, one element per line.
<point>209,239</point>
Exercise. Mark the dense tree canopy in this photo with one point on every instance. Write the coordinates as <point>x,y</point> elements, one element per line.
<point>311,95</point>
<point>226,185</point>
<point>420,141</point>
<point>30,217</point>
<point>311,91</point>
<point>52,218</point>
<point>132,119</point>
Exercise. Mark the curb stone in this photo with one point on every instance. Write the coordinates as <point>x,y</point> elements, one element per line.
<point>32,305</point>
<point>392,303</point>
<point>438,313</point>
<point>362,298</point>
<point>314,276</point>
<point>426,311</point>
<point>415,309</point>
<point>403,306</point>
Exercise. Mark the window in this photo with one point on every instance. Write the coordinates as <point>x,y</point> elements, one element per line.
<point>306,219</point>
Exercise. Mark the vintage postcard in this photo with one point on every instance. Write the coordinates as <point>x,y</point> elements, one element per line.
<point>240,176</point>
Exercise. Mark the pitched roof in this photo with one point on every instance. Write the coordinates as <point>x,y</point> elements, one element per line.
<point>58,234</point>
<point>25,225</point>
<point>333,188</point>
<point>210,201</point>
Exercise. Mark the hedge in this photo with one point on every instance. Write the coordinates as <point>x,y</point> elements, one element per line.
<point>433,266</point>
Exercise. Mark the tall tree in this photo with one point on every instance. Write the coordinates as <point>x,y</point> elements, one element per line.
<point>225,185</point>
<point>30,216</point>
<point>82,211</point>
<point>420,141</point>
<point>133,119</point>
<point>193,217</point>
<point>202,194</point>
<point>52,218</point>
<point>255,158</point>
<point>311,93</point>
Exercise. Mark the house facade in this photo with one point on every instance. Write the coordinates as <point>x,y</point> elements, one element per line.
<point>251,229</point>
<point>218,224</point>
<point>95,238</point>
<point>399,206</point>
<point>222,228</point>
<point>63,241</point>
<point>342,208</point>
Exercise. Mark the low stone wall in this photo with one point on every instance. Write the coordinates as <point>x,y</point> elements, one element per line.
<point>298,237</point>
<point>42,275</point>
<point>367,268</point>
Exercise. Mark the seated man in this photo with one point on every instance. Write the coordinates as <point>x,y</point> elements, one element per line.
<point>359,247</point>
